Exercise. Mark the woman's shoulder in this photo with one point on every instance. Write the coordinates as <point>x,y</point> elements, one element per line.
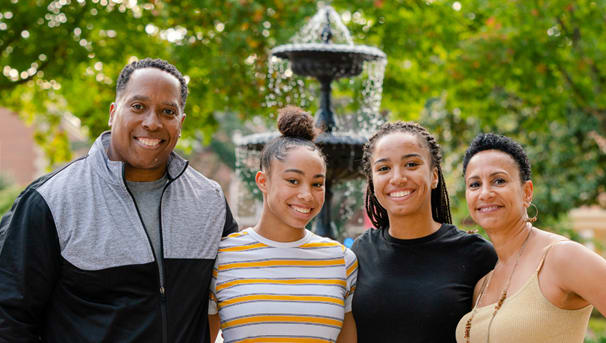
<point>560,249</point>
<point>371,234</point>
<point>470,243</point>
<point>574,269</point>
<point>365,241</point>
<point>466,236</point>
<point>338,248</point>
<point>235,239</point>
<point>320,241</point>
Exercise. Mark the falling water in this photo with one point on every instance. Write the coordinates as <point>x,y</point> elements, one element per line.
<point>355,101</point>
<point>285,86</point>
<point>312,31</point>
<point>354,116</point>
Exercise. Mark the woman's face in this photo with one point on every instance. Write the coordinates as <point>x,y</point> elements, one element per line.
<point>294,188</point>
<point>402,175</point>
<point>496,197</point>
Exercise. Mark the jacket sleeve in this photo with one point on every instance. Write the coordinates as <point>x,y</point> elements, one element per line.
<point>230,225</point>
<point>29,265</point>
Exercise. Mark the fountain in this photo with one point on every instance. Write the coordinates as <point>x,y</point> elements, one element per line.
<point>327,61</point>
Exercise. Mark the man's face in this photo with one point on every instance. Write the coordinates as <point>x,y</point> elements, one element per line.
<point>146,123</point>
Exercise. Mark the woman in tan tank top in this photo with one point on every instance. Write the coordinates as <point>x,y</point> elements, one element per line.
<point>543,286</point>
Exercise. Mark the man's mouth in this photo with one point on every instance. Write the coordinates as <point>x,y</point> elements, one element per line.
<point>149,142</point>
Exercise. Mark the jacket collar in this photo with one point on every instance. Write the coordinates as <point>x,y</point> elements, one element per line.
<point>112,171</point>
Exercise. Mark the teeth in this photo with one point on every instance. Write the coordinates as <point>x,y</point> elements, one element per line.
<point>400,194</point>
<point>488,209</point>
<point>149,141</point>
<point>301,209</point>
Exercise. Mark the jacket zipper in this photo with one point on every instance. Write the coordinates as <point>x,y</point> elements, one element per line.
<point>162,289</point>
<point>160,280</point>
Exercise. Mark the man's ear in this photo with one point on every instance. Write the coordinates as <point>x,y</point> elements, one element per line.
<point>261,181</point>
<point>183,118</point>
<point>112,110</point>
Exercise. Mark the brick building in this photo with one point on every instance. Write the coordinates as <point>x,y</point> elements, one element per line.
<point>21,160</point>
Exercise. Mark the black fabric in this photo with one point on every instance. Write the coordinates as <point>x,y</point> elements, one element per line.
<point>416,290</point>
<point>108,305</point>
<point>230,225</point>
<point>187,307</point>
<point>44,298</point>
<point>29,266</point>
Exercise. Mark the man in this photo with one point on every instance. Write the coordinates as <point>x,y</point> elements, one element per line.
<point>117,246</point>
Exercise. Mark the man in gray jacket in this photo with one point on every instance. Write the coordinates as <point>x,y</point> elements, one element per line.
<point>117,246</point>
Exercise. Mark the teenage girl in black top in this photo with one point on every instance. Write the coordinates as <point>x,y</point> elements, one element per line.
<point>417,271</point>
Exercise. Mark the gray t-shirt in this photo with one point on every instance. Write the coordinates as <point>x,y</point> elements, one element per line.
<point>148,196</point>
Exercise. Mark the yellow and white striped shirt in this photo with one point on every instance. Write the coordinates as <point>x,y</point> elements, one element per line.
<point>267,291</point>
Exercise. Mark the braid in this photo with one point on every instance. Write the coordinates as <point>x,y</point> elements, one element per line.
<point>440,204</point>
<point>376,213</point>
<point>439,196</point>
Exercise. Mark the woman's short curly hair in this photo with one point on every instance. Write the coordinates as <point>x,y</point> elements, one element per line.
<point>493,141</point>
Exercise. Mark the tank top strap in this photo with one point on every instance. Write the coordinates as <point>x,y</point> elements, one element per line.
<point>545,254</point>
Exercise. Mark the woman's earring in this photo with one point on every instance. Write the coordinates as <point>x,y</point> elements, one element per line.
<point>536,213</point>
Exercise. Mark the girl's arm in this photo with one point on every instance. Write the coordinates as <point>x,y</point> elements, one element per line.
<point>214,323</point>
<point>349,333</point>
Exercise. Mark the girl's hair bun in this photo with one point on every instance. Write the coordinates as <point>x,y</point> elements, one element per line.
<point>293,122</point>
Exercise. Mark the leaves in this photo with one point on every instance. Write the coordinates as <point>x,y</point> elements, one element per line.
<point>533,70</point>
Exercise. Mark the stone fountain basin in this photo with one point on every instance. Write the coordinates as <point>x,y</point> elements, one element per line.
<point>323,60</point>
<point>343,152</point>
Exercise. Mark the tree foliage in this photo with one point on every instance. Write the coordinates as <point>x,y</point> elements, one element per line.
<point>8,193</point>
<point>64,56</point>
<point>531,69</point>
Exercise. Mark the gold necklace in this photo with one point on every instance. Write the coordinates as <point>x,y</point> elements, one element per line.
<point>501,299</point>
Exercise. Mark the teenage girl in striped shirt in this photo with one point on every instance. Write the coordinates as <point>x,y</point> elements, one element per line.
<point>277,281</point>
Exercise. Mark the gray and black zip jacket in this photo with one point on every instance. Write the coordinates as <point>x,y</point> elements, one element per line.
<point>77,266</point>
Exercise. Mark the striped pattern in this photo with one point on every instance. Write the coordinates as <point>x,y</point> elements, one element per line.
<point>267,291</point>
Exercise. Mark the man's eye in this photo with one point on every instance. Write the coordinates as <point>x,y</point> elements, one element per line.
<point>318,185</point>
<point>137,107</point>
<point>169,112</point>
<point>292,181</point>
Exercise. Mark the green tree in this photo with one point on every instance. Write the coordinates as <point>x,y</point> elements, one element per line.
<point>8,193</point>
<point>64,55</point>
<point>530,69</point>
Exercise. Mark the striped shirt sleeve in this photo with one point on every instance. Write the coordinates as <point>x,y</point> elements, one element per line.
<point>212,293</point>
<point>351,272</point>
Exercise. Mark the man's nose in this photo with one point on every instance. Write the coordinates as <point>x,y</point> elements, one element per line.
<point>151,121</point>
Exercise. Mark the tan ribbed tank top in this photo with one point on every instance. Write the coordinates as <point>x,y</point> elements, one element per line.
<point>527,317</point>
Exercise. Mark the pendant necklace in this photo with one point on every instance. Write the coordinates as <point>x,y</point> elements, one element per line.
<point>501,299</point>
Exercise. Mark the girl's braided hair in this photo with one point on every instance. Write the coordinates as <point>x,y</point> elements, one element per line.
<point>440,205</point>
